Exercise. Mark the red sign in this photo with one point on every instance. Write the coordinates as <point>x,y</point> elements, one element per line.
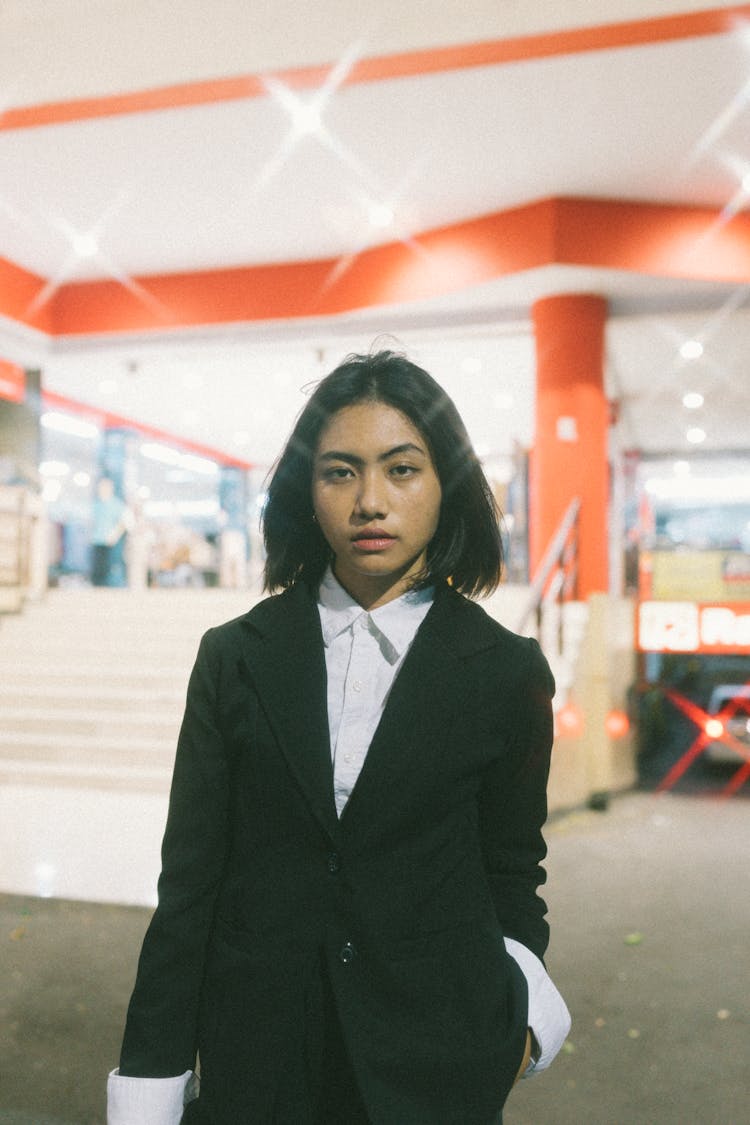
<point>12,381</point>
<point>693,627</point>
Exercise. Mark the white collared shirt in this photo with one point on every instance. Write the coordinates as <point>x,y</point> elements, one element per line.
<point>363,652</point>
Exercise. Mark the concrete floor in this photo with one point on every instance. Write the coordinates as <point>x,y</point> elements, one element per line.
<point>650,909</point>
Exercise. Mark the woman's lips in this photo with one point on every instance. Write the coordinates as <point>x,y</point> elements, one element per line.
<point>375,540</point>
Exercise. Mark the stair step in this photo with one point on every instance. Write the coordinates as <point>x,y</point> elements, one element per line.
<point>89,722</point>
<point>101,775</point>
<point>90,694</point>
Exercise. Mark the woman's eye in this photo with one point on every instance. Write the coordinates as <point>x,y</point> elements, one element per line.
<point>403,470</point>
<point>337,472</point>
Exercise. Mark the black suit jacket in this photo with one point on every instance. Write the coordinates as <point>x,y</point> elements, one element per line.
<point>402,902</point>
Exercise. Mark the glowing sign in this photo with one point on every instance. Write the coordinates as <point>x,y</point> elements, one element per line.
<point>694,627</point>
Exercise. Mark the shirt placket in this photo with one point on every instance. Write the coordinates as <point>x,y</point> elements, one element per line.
<point>358,705</point>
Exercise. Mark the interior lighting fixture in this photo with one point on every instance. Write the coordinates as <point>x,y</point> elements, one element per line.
<point>155,451</point>
<point>700,488</point>
<point>681,468</point>
<point>692,400</point>
<point>306,118</point>
<point>746,183</point>
<point>54,468</point>
<point>691,349</point>
<point>695,435</point>
<point>85,245</point>
<point>616,724</point>
<point>68,424</point>
<point>714,728</point>
<point>380,215</point>
<point>159,509</point>
<point>82,480</point>
<point>569,721</point>
<point>193,464</point>
<point>188,462</point>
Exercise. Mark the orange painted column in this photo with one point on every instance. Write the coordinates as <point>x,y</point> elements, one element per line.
<point>569,458</point>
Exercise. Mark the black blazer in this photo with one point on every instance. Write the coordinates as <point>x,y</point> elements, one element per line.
<point>403,901</point>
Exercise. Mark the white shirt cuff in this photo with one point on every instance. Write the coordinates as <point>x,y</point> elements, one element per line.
<point>149,1101</point>
<point>548,1017</point>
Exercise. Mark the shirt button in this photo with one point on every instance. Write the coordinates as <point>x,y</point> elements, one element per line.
<point>357,685</point>
<point>333,863</point>
<point>347,758</point>
<point>347,953</point>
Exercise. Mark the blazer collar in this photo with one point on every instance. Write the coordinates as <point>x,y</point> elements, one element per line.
<point>285,659</point>
<point>430,687</point>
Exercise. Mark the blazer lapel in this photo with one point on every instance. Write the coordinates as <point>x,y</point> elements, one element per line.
<point>285,659</point>
<point>429,688</point>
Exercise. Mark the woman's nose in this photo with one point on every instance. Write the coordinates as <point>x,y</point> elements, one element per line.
<point>371,500</point>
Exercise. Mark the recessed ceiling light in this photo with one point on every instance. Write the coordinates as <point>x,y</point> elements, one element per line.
<point>83,480</point>
<point>85,245</point>
<point>68,424</point>
<point>380,215</point>
<point>306,118</point>
<point>695,435</point>
<point>692,400</point>
<point>54,468</point>
<point>691,349</point>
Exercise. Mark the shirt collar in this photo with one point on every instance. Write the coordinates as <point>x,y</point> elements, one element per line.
<point>394,623</point>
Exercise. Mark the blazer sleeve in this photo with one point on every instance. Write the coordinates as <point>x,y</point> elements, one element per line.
<point>513,805</point>
<point>161,1028</point>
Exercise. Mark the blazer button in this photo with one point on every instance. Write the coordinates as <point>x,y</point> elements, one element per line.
<point>347,953</point>
<point>334,863</point>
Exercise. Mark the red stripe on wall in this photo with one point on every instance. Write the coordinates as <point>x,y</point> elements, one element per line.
<point>20,293</point>
<point>106,419</point>
<point>12,381</point>
<point>662,29</point>
<point>690,243</point>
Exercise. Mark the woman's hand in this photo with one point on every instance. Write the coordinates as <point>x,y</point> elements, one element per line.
<point>526,1055</point>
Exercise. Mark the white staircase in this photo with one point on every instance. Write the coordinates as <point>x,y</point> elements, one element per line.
<point>92,682</point>
<point>92,687</point>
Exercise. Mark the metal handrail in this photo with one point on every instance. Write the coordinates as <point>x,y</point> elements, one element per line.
<point>557,573</point>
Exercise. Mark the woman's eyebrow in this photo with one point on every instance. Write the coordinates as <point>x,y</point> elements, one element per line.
<point>355,459</point>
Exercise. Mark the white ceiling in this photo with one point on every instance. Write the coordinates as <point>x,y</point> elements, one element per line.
<point>231,183</point>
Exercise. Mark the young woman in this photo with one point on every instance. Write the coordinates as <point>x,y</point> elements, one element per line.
<point>348,928</point>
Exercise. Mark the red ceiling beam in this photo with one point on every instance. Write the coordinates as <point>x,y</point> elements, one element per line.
<point>658,240</point>
<point>495,52</point>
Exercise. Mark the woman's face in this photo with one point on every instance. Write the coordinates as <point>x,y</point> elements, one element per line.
<point>376,497</point>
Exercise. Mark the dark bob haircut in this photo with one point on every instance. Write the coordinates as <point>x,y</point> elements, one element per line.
<point>466,548</point>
